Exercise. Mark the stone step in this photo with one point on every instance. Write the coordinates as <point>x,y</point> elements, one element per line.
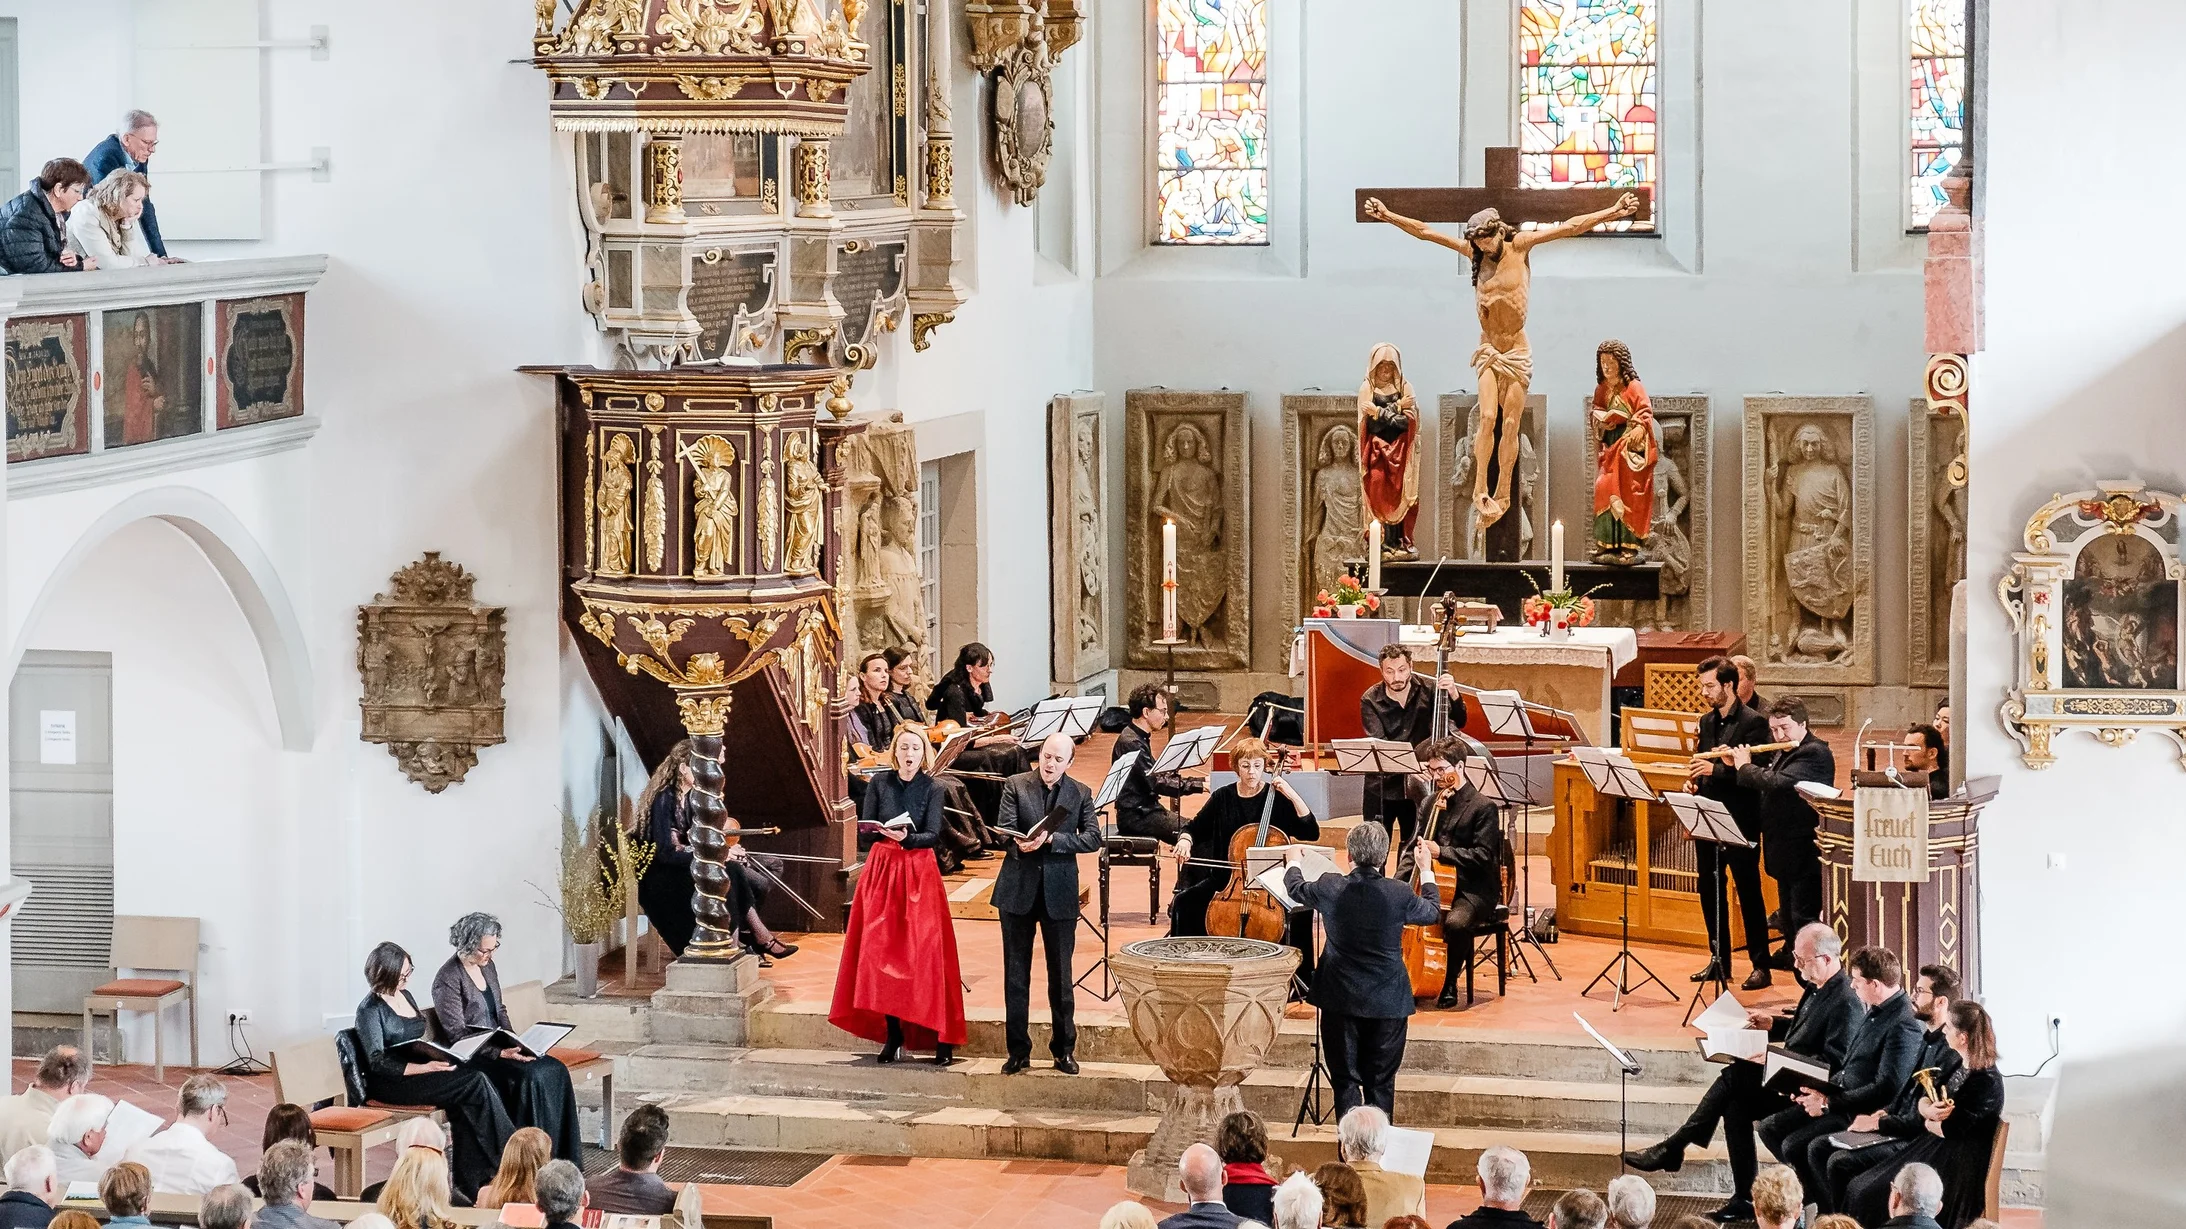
<point>1137,1088</point>
<point>1105,1036</point>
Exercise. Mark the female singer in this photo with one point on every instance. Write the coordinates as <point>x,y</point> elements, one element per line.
<point>962,696</point>
<point>388,1017</point>
<point>875,716</point>
<point>902,669</point>
<point>665,891</point>
<point>1206,841</point>
<point>898,982</point>
<point>467,998</point>
<point>1954,1137</point>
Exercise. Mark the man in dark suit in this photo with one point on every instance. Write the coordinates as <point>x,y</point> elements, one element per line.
<point>1730,723</point>
<point>1037,890</point>
<point>1878,1060</point>
<point>1819,1027</point>
<point>1401,708</point>
<point>1934,988</point>
<point>33,1189</point>
<point>1788,820</point>
<point>1139,810</point>
<point>1200,1172</point>
<point>131,150</point>
<point>1361,987</point>
<point>1467,833</point>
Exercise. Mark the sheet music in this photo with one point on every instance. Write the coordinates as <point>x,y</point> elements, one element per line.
<point>1816,789</point>
<point>1746,1044</point>
<point>1189,749</point>
<point>1506,712</point>
<point>1072,715</point>
<point>545,1035</point>
<point>126,1127</point>
<point>1406,1151</point>
<point>1271,882</point>
<point>1113,785</point>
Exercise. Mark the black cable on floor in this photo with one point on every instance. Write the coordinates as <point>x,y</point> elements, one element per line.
<point>239,1044</point>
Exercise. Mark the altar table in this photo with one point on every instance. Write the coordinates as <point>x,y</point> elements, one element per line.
<point>1573,675</point>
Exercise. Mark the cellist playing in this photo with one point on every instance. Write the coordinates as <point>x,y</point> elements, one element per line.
<point>1228,810</point>
<point>1465,834</point>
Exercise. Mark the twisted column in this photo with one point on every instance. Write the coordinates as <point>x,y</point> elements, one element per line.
<point>704,717</point>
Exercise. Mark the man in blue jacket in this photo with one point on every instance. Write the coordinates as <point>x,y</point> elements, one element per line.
<point>131,150</point>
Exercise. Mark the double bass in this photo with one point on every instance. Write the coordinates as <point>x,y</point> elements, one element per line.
<point>1239,909</point>
<point>1426,952</point>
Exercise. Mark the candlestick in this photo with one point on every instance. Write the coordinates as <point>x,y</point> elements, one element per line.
<point>1168,579</point>
<point>1373,554</point>
<point>1556,557</point>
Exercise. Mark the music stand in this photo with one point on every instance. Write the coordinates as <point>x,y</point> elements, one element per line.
<point>1367,756</point>
<point>1495,784</point>
<point>1110,789</point>
<point>1706,819</point>
<point>1509,714</point>
<point>1189,749</point>
<point>1614,776</point>
<point>1627,1067</point>
<point>1072,715</point>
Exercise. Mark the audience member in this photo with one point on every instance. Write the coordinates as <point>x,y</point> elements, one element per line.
<point>1406,1222</point>
<point>1298,1203</point>
<point>73,1218</point>
<point>1248,1189</point>
<point>1631,1202</point>
<point>286,1122</point>
<point>1838,1220</point>
<point>32,1189</point>
<point>560,1189</point>
<point>388,1019</point>
<point>467,995</point>
<point>182,1160</point>
<point>289,1173</point>
<point>106,230</point>
<point>1361,1137</point>
<point>1691,1220</point>
<point>1199,1170</point>
<point>225,1207</point>
<point>1578,1208</point>
<point>1505,1175</point>
<point>1343,1196</point>
<point>1778,1200</point>
<point>416,1193</point>
<point>130,149</point>
<point>32,239</point>
<point>1916,1196</point>
<point>634,1187</point>
<point>422,1133</point>
<point>1129,1214</point>
<point>126,1190</point>
<point>77,1133</point>
<point>27,1117</point>
<point>528,1149</point>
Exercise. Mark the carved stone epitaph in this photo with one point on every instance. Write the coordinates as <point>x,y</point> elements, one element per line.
<point>1460,421</point>
<point>1324,510</point>
<point>1809,538</point>
<point>1680,539</point>
<point>1936,517</point>
<point>878,582</point>
<point>1077,520</point>
<point>432,660</point>
<point>1184,460</point>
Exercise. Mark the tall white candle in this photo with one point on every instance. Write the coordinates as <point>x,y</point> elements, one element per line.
<point>1556,557</point>
<point>1168,580</point>
<point>1373,554</point>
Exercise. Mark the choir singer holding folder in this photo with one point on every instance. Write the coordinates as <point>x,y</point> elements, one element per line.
<point>534,1089</point>
<point>397,1073</point>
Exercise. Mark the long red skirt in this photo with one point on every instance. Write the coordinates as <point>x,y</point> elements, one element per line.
<point>899,955</point>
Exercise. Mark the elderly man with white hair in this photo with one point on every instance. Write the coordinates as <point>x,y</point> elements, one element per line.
<point>1298,1203</point>
<point>32,1189</point>
<point>1200,1172</point>
<point>1361,1137</point>
<point>77,1134</point>
<point>1631,1202</point>
<point>1036,892</point>
<point>182,1159</point>
<point>1916,1198</point>
<point>26,1117</point>
<point>1505,1175</point>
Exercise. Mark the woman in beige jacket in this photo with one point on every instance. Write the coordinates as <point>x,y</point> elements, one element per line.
<point>105,227</point>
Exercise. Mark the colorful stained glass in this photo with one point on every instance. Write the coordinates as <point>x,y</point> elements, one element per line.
<point>1211,162</point>
<point>1938,102</point>
<point>1586,95</point>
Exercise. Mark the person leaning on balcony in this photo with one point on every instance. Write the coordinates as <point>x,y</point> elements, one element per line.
<point>31,236</point>
<point>107,229</point>
<point>130,149</point>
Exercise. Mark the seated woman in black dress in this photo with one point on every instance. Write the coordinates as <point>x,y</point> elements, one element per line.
<point>1206,840</point>
<point>387,1018</point>
<point>1955,1137</point>
<point>962,696</point>
<point>664,893</point>
<point>467,998</point>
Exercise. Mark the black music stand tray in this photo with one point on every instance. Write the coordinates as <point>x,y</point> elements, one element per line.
<point>1110,788</point>
<point>1614,776</point>
<point>1627,1067</point>
<point>1497,787</point>
<point>1706,819</point>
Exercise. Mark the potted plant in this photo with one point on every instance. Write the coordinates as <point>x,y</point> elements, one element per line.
<point>1344,599</point>
<point>597,880</point>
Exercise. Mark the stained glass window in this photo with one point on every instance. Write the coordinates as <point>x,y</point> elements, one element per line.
<point>1939,100</point>
<point>1586,95</point>
<point>1211,167</point>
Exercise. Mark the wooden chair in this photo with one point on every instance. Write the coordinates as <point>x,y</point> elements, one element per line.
<point>527,1005</point>
<point>1993,1191</point>
<point>159,944</point>
<point>310,1072</point>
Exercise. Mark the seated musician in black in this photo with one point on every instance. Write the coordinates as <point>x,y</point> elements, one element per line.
<point>962,696</point>
<point>1935,988</point>
<point>1878,1059</point>
<point>1400,709</point>
<point>1203,849</point>
<point>1139,811</point>
<point>1925,751</point>
<point>1467,835</point>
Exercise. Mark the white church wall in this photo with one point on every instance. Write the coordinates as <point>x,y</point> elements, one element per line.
<point>2080,383</point>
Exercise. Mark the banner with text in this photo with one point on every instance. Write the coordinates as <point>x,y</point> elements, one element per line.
<point>1890,836</point>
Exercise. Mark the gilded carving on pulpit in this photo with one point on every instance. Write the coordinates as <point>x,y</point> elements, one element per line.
<point>1387,437</point>
<point>432,662</point>
<point>1627,449</point>
<point>1809,538</point>
<point>656,507</point>
<point>1936,520</point>
<point>713,507</point>
<point>1325,505</point>
<point>877,576</point>
<point>802,491</point>
<point>1077,536</point>
<point>770,508</point>
<point>1185,464</point>
<point>1463,532</point>
<point>618,478</point>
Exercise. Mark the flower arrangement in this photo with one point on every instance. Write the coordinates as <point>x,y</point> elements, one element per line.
<point>1345,592</point>
<point>1537,611</point>
<point>598,877</point>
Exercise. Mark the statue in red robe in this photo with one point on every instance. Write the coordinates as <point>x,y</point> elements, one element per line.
<point>1389,450</point>
<point>1624,474</point>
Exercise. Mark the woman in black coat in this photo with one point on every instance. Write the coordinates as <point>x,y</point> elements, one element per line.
<point>962,696</point>
<point>467,998</point>
<point>1954,1138</point>
<point>387,1018</point>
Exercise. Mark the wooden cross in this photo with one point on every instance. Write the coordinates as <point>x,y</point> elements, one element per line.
<point>1502,193</point>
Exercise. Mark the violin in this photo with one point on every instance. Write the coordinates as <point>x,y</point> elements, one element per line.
<point>1426,952</point>
<point>1240,909</point>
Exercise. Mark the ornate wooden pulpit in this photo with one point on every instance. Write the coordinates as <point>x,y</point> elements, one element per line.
<point>1936,921</point>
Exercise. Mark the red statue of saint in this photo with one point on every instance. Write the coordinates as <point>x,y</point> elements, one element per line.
<point>1624,476</point>
<point>1388,450</point>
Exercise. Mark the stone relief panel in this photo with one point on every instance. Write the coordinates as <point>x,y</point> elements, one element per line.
<point>1077,524</point>
<point>1184,460</point>
<point>432,661</point>
<point>1936,519</point>
<point>1324,510</point>
<point>1809,538</point>
<point>1459,538</point>
<point>1679,540</point>
<point>883,606</point>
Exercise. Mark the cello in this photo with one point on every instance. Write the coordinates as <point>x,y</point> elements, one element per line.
<point>1426,952</point>
<point>1240,909</point>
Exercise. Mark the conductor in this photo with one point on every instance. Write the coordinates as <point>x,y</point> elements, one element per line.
<point>1362,990</point>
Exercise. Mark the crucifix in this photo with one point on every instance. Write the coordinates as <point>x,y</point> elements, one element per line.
<point>1502,279</point>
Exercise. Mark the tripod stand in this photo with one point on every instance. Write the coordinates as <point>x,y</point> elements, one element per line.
<point>1624,961</point>
<point>1614,776</point>
<point>1706,820</point>
<point>1309,1101</point>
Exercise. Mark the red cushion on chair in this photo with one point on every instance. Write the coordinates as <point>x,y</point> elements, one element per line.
<point>573,1058</point>
<point>136,988</point>
<point>347,1118</point>
<point>403,1109</point>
